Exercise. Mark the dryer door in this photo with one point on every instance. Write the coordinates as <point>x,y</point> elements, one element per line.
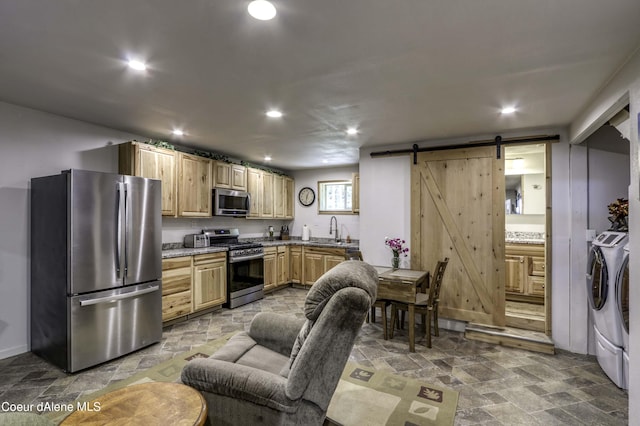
<point>622,287</point>
<point>597,279</point>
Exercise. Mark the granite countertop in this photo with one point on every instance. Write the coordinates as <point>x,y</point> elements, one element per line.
<point>183,251</point>
<point>524,237</point>
<point>171,250</point>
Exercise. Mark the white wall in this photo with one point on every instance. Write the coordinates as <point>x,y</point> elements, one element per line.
<point>608,180</point>
<point>349,224</point>
<point>174,228</point>
<point>384,205</point>
<point>35,144</point>
<point>623,88</point>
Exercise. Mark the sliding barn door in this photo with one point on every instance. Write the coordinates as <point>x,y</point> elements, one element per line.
<point>457,211</point>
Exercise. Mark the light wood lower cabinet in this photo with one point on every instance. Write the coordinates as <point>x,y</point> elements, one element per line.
<point>276,267</point>
<point>193,283</point>
<point>176,287</point>
<point>283,266</point>
<point>295,262</point>
<point>525,272</point>
<point>209,280</point>
<point>270,268</point>
<point>318,260</point>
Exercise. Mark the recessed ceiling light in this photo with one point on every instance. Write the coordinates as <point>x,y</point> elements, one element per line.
<point>177,132</point>
<point>267,158</point>
<point>352,131</point>
<point>508,110</point>
<point>262,10</point>
<point>137,65</point>
<point>274,113</point>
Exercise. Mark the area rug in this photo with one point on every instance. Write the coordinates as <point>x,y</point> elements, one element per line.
<point>364,396</point>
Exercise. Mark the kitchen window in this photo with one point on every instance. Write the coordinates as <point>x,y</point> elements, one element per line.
<point>335,197</point>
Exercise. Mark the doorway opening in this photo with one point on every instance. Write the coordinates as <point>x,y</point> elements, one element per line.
<point>527,227</point>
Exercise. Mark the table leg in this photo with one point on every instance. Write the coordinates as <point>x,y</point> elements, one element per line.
<point>412,328</point>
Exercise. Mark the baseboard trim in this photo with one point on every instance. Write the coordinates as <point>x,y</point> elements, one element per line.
<point>6,353</point>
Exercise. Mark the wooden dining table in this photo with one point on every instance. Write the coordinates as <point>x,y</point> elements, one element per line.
<point>401,285</point>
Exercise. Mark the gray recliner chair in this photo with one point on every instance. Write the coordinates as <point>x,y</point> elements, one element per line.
<point>284,371</point>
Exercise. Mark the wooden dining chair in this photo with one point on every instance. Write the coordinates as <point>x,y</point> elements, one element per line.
<point>426,304</point>
<point>381,304</point>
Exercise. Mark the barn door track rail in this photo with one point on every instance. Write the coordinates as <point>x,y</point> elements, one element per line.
<point>498,141</point>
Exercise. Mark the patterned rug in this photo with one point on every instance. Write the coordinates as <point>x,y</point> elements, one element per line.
<point>364,396</point>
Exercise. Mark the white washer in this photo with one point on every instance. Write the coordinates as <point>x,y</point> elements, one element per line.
<point>622,286</point>
<point>605,259</point>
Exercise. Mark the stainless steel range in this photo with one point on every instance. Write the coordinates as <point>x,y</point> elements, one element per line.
<point>245,268</point>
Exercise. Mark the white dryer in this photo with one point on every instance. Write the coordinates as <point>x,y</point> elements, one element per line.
<point>622,286</point>
<point>605,259</point>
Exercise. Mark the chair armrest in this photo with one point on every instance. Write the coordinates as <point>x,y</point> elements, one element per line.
<point>239,382</point>
<point>275,331</point>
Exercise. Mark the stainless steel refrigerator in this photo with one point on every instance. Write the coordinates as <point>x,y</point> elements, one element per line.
<point>96,267</point>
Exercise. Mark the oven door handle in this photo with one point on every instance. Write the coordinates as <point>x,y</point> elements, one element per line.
<point>245,258</point>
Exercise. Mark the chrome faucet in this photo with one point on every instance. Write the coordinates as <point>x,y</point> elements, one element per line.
<point>331,228</point>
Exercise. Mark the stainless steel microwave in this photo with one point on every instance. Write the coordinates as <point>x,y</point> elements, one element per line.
<point>227,202</point>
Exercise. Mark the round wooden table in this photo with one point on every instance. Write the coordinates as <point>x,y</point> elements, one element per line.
<point>151,403</point>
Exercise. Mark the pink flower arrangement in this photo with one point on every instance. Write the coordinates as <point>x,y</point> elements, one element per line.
<point>396,246</point>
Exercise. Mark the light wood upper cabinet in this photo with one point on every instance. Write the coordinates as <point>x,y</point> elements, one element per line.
<point>289,196</point>
<point>144,160</point>
<point>254,187</point>
<point>209,280</point>
<point>264,187</point>
<point>278,196</point>
<point>267,194</point>
<point>194,186</point>
<point>355,192</point>
<point>283,196</point>
<point>230,176</point>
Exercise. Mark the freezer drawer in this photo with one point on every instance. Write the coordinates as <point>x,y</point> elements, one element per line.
<point>109,324</point>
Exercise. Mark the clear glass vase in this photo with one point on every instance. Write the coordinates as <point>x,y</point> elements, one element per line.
<point>395,262</point>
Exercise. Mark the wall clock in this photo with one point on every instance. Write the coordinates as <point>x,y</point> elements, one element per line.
<point>306,196</point>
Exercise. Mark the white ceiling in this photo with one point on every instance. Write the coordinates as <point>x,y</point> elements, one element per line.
<point>401,71</point>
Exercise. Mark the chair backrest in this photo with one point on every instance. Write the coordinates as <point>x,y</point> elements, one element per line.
<point>436,282</point>
<point>335,308</point>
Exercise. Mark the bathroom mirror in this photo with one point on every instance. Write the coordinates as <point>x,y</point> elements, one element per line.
<point>525,193</point>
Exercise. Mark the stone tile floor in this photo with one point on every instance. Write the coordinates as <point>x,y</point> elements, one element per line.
<point>497,385</point>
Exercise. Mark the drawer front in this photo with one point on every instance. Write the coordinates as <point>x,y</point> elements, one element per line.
<point>176,305</point>
<point>537,266</point>
<point>209,257</point>
<point>536,285</point>
<point>176,262</point>
<point>400,291</point>
<point>176,280</point>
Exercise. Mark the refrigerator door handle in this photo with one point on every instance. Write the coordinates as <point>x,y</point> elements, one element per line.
<point>110,299</point>
<point>126,227</point>
<point>119,229</point>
